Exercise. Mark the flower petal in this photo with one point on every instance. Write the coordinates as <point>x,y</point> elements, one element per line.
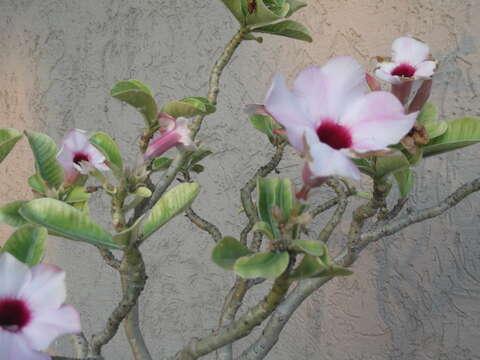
<point>96,158</point>
<point>425,70</point>
<point>46,289</point>
<point>13,275</point>
<point>384,72</point>
<point>49,324</point>
<point>326,161</point>
<point>408,50</point>
<point>376,121</point>
<point>75,140</point>
<point>14,347</point>
<point>287,110</point>
<point>162,144</point>
<point>325,90</point>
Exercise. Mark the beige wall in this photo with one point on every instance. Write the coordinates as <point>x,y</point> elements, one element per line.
<point>414,296</point>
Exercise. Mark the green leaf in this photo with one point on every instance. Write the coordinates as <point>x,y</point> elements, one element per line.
<point>264,228</point>
<point>27,244</point>
<point>188,107</point>
<point>265,124</point>
<point>172,203</point>
<point>9,213</point>
<point>107,146</point>
<point>124,237</point>
<point>262,13</point>
<point>161,163</point>
<point>295,5</point>
<point>364,166</point>
<point>82,206</point>
<point>200,154</point>
<point>267,192</point>
<point>460,133</point>
<point>388,164</point>
<point>311,247</point>
<point>37,183</point>
<point>8,139</point>
<point>67,221</point>
<point>436,129</point>
<point>288,28</point>
<point>428,114</point>
<point>405,180</point>
<point>78,194</point>
<point>266,265</point>
<point>138,95</point>
<point>45,152</point>
<point>309,267</point>
<point>197,168</point>
<point>228,251</point>
<point>335,270</point>
<point>284,198</point>
<point>414,159</point>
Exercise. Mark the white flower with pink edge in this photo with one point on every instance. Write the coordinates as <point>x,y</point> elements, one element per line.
<point>32,313</point>
<point>76,149</point>
<point>329,118</point>
<point>410,61</point>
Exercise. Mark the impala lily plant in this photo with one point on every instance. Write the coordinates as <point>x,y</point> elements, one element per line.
<point>339,129</point>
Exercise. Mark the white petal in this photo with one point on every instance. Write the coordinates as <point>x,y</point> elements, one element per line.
<point>14,347</point>
<point>286,109</point>
<point>325,90</point>
<point>49,324</point>
<point>13,275</point>
<point>46,289</point>
<point>376,121</point>
<point>410,51</point>
<point>75,140</point>
<point>328,161</point>
<point>96,158</point>
<point>384,72</point>
<point>425,70</point>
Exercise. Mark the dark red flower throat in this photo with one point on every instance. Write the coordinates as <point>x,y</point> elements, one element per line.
<point>334,135</point>
<point>80,157</point>
<point>404,70</point>
<point>14,314</point>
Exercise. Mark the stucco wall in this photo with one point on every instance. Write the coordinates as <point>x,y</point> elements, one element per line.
<point>414,296</point>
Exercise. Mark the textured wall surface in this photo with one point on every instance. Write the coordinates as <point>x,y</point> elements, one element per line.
<point>415,295</point>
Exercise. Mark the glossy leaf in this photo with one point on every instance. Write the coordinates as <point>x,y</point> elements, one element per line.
<point>172,203</point>
<point>37,183</point>
<point>200,154</point>
<point>161,163</point>
<point>27,244</point>
<point>8,139</point>
<point>9,213</point>
<point>284,198</point>
<point>311,247</point>
<point>428,114</point>
<point>265,229</point>
<point>262,13</point>
<point>266,265</point>
<point>388,164</point>
<point>138,95</point>
<point>78,194</point>
<point>228,251</point>
<point>436,129</point>
<point>188,107</point>
<point>460,133</point>
<point>405,181</point>
<point>124,237</point>
<point>309,267</point>
<point>287,28</point>
<point>364,166</point>
<point>67,221</point>
<point>295,5</point>
<point>265,124</point>
<point>107,146</point>
<point>45,152</point>
<point>267,192</point>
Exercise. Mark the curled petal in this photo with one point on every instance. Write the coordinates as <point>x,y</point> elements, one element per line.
<point>425,70</point>
<point>325,161</point>
<point>325,90</point>
<point>13,275</point>
<point>287,110</point>
<point>162,144</point>
<point>376,121</point>
<point>408,50</point>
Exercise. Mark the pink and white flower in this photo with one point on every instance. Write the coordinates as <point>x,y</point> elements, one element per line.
<point>76,149</point>
<point>410,61</point>
<point>32,313</point>
<point>174,134</point>
<point>329,118</point>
